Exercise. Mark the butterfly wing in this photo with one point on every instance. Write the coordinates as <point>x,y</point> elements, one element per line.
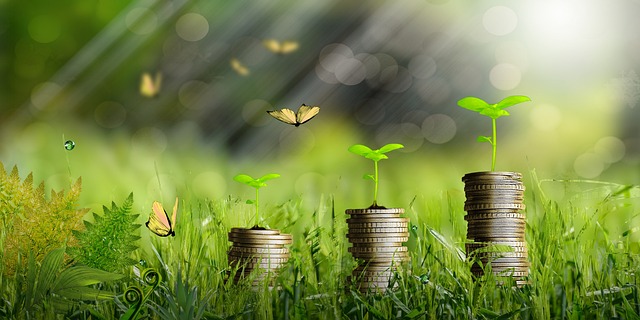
<point>159,221</point>
<point>148,86</point>
<point>284,115</point>
<point>271,45</point>
<point>173,216</point>
<point>288,47</point>
<point>306,113</point>
<point>238,67</point>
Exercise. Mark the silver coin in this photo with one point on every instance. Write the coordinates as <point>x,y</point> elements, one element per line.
<point>376,230</point>
<point>375,211</point>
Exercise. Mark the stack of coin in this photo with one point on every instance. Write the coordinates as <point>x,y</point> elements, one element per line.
<point>257,248</point>
<point>377,236</point>
<point>495,224</point>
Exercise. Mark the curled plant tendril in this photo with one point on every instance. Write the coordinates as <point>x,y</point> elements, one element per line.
<point>136,298</point>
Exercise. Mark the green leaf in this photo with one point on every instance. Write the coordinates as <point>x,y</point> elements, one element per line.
<point>390,147</point>
<point>51,264</point>
<point>243,178</point>
<point>484,139</point>
<point>267,177</point>
<point>376,156</point>
<point>511,100</point>
<point>81,276</point>
<point>473,104</point>
<point>250,202</point>
<point>494,113</point>
<point>360,150</point>
<point>369,176</point>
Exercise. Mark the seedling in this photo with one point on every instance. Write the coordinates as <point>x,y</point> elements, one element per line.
<point>375,155</point>
<point>493,111</point>
<point>257,184</point>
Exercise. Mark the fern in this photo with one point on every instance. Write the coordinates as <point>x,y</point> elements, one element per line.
<point>30,222</point>
<point>107,243</point>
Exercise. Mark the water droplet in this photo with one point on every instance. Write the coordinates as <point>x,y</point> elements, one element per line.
<point>69,145</point>
<point>143,262</point>
<point>414,228</point>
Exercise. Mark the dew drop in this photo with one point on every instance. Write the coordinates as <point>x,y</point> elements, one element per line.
<point>414,227</point>
<point>69,145</point>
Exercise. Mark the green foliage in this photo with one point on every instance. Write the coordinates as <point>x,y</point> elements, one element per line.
<point>108,243</point>
<point>493,111</point>
<point>375,155</point>
<point>30,222</point>
<point>51,288</point>
<point>257,184</point>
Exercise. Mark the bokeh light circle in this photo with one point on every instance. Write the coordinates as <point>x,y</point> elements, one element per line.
<point>191,92</point>
<point>422,66</point>
<point>110,114</point>
<point>44,29</point>
<point>545,117</point>
<point>500,20</point>
<point>141,21</point>
<point>439,128</point>
<point>192,27</point>
<point>371,64</point>
<point>588,165</point>
<point>350,71</point>
<point>505,76</point>
<point>149,140</point>
<point>43,93</point>
<point>611,149</point>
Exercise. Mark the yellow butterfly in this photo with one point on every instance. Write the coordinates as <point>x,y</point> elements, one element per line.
<point>304,114</point>
<point>150,87</point>
<point>280,47</point>
<point>239,67</point>
<point>159,222</point>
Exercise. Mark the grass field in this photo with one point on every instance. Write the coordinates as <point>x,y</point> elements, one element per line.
<point>581,235</point>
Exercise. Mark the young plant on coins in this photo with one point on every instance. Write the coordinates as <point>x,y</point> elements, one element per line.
<point>493,111</point>
<point>257,184</point>
<point>375,155</point>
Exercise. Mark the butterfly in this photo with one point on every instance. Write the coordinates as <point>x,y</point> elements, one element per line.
<point>239,67</point>
<point>159,222</point>
<point>304,114</point>
<point>280,47</point>
<point>150,87</point>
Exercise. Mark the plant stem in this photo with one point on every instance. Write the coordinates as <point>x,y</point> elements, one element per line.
<point>494,145</point>
<point>375,180</point>
<point>257,208</point>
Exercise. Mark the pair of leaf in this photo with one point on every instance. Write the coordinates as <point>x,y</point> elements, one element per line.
<point>493,111</point>
<point>255,183</point>
<point>375,155</point>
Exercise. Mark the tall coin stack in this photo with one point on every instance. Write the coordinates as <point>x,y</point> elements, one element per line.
<point>377,236</point>
<point>495,224</point>
<point>257,248</point>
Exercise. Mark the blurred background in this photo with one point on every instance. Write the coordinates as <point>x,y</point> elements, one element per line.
<point>381,72</point>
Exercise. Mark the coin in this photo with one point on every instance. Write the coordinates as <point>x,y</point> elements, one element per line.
<point>259,255</point>
<point>375,211</point>
<point>485,206</point>
<point>379,244</point>
<point>509,243</point>
<point>251,265</point>
<point>254,231</point>
<point>377,249</point>
<point>378,225</point>
<point>387,241</point>
<point>376,230</point>
<point>490,255</point>
<point>381,235</point>
<point>504,274</point>
<point>377,220</point>
<point>264,260</point>
<point>381,256</point>
<point>494,216</point>
<point>275,240</point>
<point>243,236</point>
<point>502,269</point>
<point>259,250</point>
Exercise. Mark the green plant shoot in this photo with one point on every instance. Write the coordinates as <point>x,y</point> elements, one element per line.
<point>257,184</point>
<point>493,111</point>
<point>375,155</point>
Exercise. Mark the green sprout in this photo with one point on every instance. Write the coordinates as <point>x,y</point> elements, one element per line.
<point>375,155</point>
<point>255,183</point>
<point>493,111</point>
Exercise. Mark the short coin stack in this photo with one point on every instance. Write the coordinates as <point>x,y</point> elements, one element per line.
<point>495,224</point>
<point>257,248</point>
<point>377,235</point>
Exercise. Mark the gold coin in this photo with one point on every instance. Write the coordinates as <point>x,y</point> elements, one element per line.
<point>264,243</point>
<point>242,236</point>
<point>485,206</point>
<point>376,230</point>
<point>508,174</point>
<point>494,216</point>
<point>375,211</point>
<point>384,240</point>
<point>510,243</point>
<point>503,270</point>
<point>377,244</point>
<point>484,187</point>
<point>259,250</point>
<point>378,235</point>
<point>259,255</point>
<point>377,220</point>
<point>505,274</point>
<point>378,255</point>
<point>254,231</point>
<point>378,225</point>
<point>491,255</point>
<point>264,260</point>
<point>377,249</point>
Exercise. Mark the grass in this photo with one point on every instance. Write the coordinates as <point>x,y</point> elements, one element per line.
<point>582,238</point>
<point>583,263</point>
